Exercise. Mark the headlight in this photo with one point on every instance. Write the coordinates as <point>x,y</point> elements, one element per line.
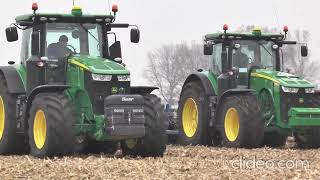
<point>289,89</point>
<point>309,90</point>
<point>123,77</point>
<point>101,77</point>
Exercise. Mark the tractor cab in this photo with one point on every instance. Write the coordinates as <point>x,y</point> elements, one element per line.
<point>50,42</point>
<point>239,54</point>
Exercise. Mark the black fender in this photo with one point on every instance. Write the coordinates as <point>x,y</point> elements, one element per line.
<point>203,79</point>
<point>232,92</point>
<point>142,89</point>
<point>43,89</point>
<point>13,79</point>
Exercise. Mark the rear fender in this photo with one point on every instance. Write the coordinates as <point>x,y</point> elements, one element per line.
<point>13,79</point>
<point>38,90</point>
<point>229,93</point>
<point>205,82</point>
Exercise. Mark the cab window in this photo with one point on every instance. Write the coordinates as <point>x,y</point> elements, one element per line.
<point>217,49</point>
<point>26,45</point>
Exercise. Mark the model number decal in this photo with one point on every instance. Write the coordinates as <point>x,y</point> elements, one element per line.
<point>127,99</point>
<point>118,110</point>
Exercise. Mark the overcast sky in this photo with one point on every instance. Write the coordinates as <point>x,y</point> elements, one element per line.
<point>172,21</point>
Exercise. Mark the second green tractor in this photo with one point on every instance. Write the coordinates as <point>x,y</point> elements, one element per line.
<point>246,99</point>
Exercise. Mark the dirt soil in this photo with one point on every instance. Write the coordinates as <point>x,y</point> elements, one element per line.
<point>178,163</point>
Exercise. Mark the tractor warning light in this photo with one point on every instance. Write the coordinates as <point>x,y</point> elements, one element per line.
<point>225,27</point>
<point>256,31</point>
<point>76,11</point>
<point>34,6</point>
<point>115,8</point>
<point>285,29</point>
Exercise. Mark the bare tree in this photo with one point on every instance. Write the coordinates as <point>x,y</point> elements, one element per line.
<point>169,66</point>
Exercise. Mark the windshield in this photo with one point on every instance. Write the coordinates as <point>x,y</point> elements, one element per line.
<point>64,39</point>
<point>254,53</point>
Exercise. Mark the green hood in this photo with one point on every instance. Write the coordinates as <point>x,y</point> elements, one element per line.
<point>284,79</point>
<point>99,65</point>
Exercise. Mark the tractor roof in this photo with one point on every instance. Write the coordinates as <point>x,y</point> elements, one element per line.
<point>28,18</point>
<point>244,36</point>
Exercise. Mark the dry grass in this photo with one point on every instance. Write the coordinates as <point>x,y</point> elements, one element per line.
<point>178,163</point>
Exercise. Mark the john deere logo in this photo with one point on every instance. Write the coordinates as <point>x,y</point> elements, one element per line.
<point>114,90</point>
<point>301,100</point>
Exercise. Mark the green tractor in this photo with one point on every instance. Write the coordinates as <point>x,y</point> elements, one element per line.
<point>71,93</point>
<point>246,99</point>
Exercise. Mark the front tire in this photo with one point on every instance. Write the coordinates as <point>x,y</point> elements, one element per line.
<point>240,121</point>
<point>51,126</point>
<point>10,141</point>
<point>193,113</point>
<point>154,142</point>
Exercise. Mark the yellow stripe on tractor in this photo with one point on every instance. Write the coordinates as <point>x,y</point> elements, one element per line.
<point>265,77</point>
<point>74,62</point>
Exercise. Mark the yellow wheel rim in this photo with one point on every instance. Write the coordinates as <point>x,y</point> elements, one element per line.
<point>190,117</point>
<point>231,124</point>
<point>2,117</point>
<point>39,129</point>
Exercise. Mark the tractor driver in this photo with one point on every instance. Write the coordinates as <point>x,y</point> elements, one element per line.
<point>59,49</point>
<point>240,59</point>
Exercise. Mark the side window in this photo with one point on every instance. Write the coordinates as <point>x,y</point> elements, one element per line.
<point>26,45</point>
<point>94,43</point>
<point>217,49</point>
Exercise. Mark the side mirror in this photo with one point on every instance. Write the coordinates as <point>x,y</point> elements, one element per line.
<point>135,35</point>
<point>12,34</point>
<point>11,62</point>
<point>304,51</point>
<point>115,50</point>
<point>207,48</point>
<point>35,43</point>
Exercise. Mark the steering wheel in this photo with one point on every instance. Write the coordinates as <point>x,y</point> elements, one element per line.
<point>73,48</point>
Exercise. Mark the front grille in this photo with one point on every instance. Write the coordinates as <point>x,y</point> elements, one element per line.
<point>99,90</point>
<point>290,100</point>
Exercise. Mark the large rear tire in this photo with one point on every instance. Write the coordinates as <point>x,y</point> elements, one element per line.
<point>10,141</point>
<point>240,122</point>
<point>51,126</point>
<point>153,144</point>
<point>193,118</point>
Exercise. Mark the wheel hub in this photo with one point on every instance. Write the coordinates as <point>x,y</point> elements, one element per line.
<point>2,117</point>
<point>40,129</point>
<point>190,117</point>
<point>231,124</point>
